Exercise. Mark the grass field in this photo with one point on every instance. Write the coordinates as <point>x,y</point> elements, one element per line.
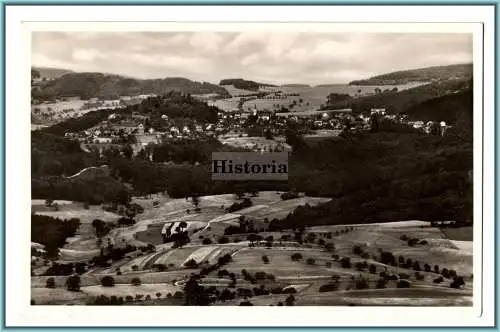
<point>316,267</point>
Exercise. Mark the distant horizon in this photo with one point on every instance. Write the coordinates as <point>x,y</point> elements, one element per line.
<point>244,78</point>
<point>263,56</point>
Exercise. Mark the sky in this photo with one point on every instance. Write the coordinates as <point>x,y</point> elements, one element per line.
<point>276,57</point>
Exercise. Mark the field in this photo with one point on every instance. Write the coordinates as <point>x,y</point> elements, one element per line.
<point>317,266</point>
<point>253,142</point>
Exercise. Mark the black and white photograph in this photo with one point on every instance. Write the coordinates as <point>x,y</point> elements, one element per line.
<point>262,164</point>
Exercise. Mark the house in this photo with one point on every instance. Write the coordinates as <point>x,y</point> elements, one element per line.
<point>140,129</point>
<point>174,131</point>
<point>380,111</point>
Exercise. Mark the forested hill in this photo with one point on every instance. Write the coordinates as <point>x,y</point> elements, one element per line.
<point>427,102</point>
<point>428,74</point>
<point>240,83</point>
<point>89,85</point>
<point>50,73</point>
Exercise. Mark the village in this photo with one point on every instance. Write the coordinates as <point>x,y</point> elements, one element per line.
<point>247,127</point>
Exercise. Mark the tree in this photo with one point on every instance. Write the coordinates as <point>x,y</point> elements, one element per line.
<point>50,283</point>
<point>436,268</point>
<point>252,238</point>
<point>458,282</point>
<point>206,241</point>
<point>223,240</point>
<point>73,283</point>
<point>135,281</point>
<point>35,74</point>
<point>373,269</point>
<point>196,202</point>
<point>108,281</point>
<point>296,256</point>
<point>330,247</point>
<point>345,262</point>
<point>265,259</point>
<point>194,294</point>
<point>127,151</point>
<point>310,261</point>
<point>290,300</point>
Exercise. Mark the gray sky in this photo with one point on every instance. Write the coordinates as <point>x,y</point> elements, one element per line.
<point>273,57</point>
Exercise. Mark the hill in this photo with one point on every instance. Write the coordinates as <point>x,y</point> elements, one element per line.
<point>242,84</point>
<point>450,108</point>
<point>296,85</point>
<point>403,101</point>
<point>428,74</point>
<point>89,85</point>
<point>51,73</point>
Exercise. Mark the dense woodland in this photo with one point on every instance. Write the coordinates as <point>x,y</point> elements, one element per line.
<point>242,84</point>
<point>52,232</point>
<point>457,92</point>
<point>393,173</point>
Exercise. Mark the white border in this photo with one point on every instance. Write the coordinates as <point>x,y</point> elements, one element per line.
<point>18,311</point>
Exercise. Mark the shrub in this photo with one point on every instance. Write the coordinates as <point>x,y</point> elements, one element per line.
<point>436,268</point>
<point>289,290</point>
<point>107,281</point>
<point>50,283</point>
<point>403,237</point>
<point>73,283</point>
<point>265,259</point>
<point>357,250</point>
<point>423,242</point>
<point>246,303</point>
<point>453,274</point>
<point>412,242</point>
<point>206,241</point>
<point>416,266</point>
<point>296,257</point>
<point>331,287</point>
<point>403,284</point>
<point>260,275</point>
<point>330,246</point>
<point>373,269</point>
<point>223,240</point>
<point>345,262</point>
<point>427,267</point>
<point>310,261</point>
<point>381,283</point>
<point>362,284</point>
<point>360,266</point>
<point>445,273</point>
<point>457,283</point>
<point>419,276</point>
<point>404,276</point>
<point>191,264</point>
<point>328,264</point>
<point>178,295</point>
<point>290,300</point>
<point>277,290</point>
<point>365,255</point>
<point>129,298</point>
<point>387,258</point>
<point>135,281</point>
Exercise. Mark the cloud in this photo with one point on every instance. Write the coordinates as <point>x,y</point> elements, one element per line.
<point>269,56</point>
